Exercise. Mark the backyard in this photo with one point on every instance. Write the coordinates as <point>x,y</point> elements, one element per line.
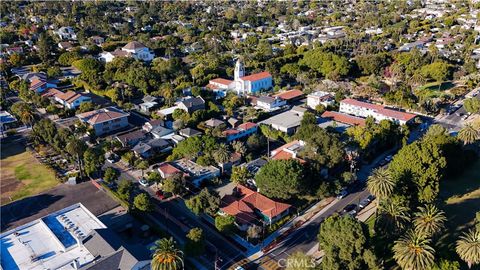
<point>21,174</point>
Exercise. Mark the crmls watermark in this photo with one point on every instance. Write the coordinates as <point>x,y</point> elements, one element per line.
<point>296,264</point>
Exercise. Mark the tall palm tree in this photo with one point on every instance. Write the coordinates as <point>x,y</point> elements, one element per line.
<point>394,214</point>
<point>239,147</point>
<point>27,117</point>
<point>413,252</point>
<point>221,154</point>
<point>468,247</point>
<point>468,134</point>
<point>429,220</point>
<point>166,256</point>
<point>381,183</point>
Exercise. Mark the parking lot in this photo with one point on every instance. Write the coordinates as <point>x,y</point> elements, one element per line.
<point>31,208</point>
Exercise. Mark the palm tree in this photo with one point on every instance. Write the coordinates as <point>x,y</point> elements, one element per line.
<point>221,154</point>
<point>468,247</point>
<point>469,134</point>
<point>76,148</point>
<point>394,214</point>
<point>413,251</point>
<point>166,255</point>
<point>27,117</point>
<point>429,220</point>
<point>239,147</point>
<point>381,183</point>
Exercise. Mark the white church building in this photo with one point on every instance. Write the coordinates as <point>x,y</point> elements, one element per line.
<point>242,84</point>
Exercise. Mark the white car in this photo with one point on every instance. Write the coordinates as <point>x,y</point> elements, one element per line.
<point>342,194</point>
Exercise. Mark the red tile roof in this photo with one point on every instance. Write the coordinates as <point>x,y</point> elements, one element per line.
<point>344,118</point>
<point>211,86</point>
<point>243,203</point>
<point>101,115</point>
<point>69,96</point>
<point>291,94</point>
<point>246,126</point>
<point>230,132</point>
<point>167,169</point>
<point>381,109</point>
<point>280,154</point>
<point>51,92</point>
<point>257,76</point>
<point>221,81</point>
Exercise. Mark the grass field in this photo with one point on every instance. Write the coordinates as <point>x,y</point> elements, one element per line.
<point>461,198</point>
<point>21,174</point>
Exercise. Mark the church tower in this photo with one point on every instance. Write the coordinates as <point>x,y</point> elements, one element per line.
<point>239,70</point>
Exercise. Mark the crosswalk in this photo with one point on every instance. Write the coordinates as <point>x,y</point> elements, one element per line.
<point>265,263</point>
<point>268,263</point>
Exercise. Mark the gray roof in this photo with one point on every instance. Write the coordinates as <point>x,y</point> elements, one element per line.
<point>158,143</point>
<point>107,247</point>
<point>141,148</point>
<point>189,132</point>
<point>266,99</point>
<point>214,122</point>
<point>193,102</point>
<point>288,119</point>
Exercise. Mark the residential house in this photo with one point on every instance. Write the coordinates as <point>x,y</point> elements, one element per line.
<point>133,49</point>
<point>320,97</point>
<point>38,84</point>
<point>344,118</point>
<point>149,148</point>
<point>235,159</point>
<point>149,103</point>
<point>131,138</point>
<point>166,170</point>
<point>378,112</point>
<point>242,131</point>
<point>250,207</point>
<point>213,123</point>
<point>191,104</point>
<point>189,132</point>
<point>290,95</point>
<point>160,132</point>
<point>69,99</point>
<point>269,104</point>
<point>97,40</point>
<point>148,126</point>
<point>289,151</point>
<point>288,121</point>
<point>7,120</point>
<point>105,120</point>
<point>66,33</point>
<point>197,173</point>
<point>65,45</point>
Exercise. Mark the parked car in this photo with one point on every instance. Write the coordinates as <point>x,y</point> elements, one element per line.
<point>342,194</point>
<point>364,203</point>
<point>160,194</point>
<point>112,158</point>
<point>144,182</point>
<point>349,208</point>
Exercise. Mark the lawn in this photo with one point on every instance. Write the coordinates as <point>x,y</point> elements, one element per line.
<point>461,200</point>
<point>22,175</point>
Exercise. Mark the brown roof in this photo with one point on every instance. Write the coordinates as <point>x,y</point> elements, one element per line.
<point>246,126</point>
<point>344,118</point>
<point>69,96</point>
<point>133,45</point>
<point>221,81</point>
<point>291,94</point>
<point>243,203</point>
<point>167,168</point>
<point>257,76</point>
<point>101,115</point>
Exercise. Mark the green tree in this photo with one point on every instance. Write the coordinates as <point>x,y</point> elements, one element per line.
<point>53,72</point>
<point>124,189</point>
<point>281,179</point>
<point>141,165</point>
<point>45,46</point>
<point>468,134</point>
<point>85,107</point>
<point>429,220</point>
<point>438,71</point>
<point>174,184</point>
<point>110,175</point>
<point>221,154</point>
<point>394,215</point>
<point>240,175</point>
<point>299,261</point>
<point>381,183</point>
<point>413,251</point>
<point>76,148</point>
<point>93,159</point>
<point>472,105</point>
<point>166,255</point>
<point>326,63</point>
<point>346,244</point>
<point>67,58</point>
<point>204,202</point>
<point>468,247</point>
<point>239,147</point>
<point>16,59</point>
<point>142,202</point>
<point>195,245</point>
<point>225,223</point>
